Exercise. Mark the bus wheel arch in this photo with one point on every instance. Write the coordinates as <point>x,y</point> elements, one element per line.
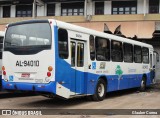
<point>143,83</point>
<point>100,89</point>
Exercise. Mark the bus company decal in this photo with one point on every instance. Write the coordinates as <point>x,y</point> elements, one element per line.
<point>145,67</point>
<point>118,71</point>
<point>131,70</point>
<point>102,65</point>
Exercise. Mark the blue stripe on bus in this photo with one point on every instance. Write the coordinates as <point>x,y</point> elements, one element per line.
<point>85,86</point>
<point>83,83</point>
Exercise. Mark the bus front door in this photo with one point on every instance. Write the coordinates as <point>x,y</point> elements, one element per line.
<point>77,64</point>
<point>152,67</point>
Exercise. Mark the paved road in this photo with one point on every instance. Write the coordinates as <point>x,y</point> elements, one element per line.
<point>128,99</point>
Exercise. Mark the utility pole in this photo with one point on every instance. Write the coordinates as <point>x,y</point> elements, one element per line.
<point>36,2</point>
<point>144,8</point>
<point>34,9</point>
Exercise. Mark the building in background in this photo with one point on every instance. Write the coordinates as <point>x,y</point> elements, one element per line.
<point>136,19</point>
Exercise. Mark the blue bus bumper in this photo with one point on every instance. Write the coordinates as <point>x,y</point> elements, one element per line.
<point>50,87</point>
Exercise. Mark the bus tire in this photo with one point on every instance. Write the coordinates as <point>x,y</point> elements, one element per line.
<point>100,91</point>
<point>143,84</point>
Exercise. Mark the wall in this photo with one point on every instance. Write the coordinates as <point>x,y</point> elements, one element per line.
<point>13,11</point>
<point>40,10</point>
<point>107,7</point>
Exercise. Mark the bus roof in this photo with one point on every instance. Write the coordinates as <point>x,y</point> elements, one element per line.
<point>84,30</point>
<point>97,33</point>
<point>2,33</point>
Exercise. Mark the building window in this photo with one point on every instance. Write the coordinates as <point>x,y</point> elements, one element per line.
<point>6,11</point>
<point>99,8</point>
<point>24,11</point>
<point>153,6</point>
<point>72,9</point>
<point>124,7</point>
<point>50,9</point>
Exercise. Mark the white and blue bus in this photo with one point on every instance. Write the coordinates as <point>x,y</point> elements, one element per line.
<point>61,59</point>
<point>1,47</point>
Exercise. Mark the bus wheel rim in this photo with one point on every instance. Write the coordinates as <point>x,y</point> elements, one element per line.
<point>101,90</point>
<point>142,84</point>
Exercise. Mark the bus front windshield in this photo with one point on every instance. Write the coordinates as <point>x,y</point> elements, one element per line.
<point>29,37</point>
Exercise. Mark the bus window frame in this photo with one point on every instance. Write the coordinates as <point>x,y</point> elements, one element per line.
<point>124,52</point>
<point>107,48</point>
<point>121,46</point>
<point>135,53</point>
<point>145,55</point>
<point>67,45</point>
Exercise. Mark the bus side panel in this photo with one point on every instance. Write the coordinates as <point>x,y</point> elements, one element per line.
<point>112,83</point>
<point>134,80</point>
<point>149,79</point>
<point>123,82</point>
<point>65,74</point>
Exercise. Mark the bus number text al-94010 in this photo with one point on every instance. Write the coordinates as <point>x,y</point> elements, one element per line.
<point>27,63</point>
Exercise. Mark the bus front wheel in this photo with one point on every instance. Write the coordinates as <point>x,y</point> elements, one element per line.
<point>100,90</point>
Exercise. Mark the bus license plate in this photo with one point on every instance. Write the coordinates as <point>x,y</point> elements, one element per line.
<point>26,75</point>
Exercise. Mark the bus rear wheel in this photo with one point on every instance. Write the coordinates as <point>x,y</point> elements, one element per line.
<point>100,90</point>
<point>143,85</point>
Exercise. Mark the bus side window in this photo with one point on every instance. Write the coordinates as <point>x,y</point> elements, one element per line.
<point>128,52</point>
<point>92,47</point>
<point>116,51</point>
<point>137,54</point>
<point>102,49</point>
<point>145,55</point>
<point>73,48</point>
<point>80,55</point>
<point>63,43</point>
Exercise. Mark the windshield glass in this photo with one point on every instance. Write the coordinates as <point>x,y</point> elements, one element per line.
<point>35,36</point>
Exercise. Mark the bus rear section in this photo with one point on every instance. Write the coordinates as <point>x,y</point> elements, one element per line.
<point>28,57</point>
<point>1,46</point>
